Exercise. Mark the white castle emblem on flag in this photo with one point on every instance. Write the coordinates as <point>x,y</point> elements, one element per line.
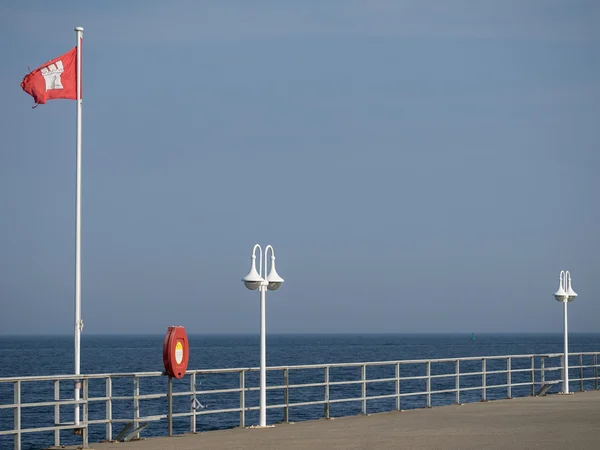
<point>52,75</point>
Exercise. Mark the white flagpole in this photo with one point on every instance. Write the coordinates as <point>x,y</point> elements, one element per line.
<point>78,321</point>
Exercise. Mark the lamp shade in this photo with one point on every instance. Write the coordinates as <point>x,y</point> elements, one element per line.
<point>253,280</point>
<point>570,292</point>
<point>273,278</point>
<point>561,295</point>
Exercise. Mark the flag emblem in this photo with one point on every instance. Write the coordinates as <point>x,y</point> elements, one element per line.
<point>52,75</point>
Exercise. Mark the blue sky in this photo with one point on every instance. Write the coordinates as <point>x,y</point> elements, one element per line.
<point>418,166</point>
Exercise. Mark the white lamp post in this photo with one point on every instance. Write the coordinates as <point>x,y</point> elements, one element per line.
<point>565,294</point>
<point>259,280</point>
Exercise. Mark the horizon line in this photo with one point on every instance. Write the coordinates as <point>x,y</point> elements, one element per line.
<point>343,333</point>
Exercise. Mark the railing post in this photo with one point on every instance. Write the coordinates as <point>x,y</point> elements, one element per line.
<point>286,395</point>
<point>242,398</point>
<point>84,432</point>
<point>458,381</point>
<point>580,372</point>
<point>136,404</point>
<point>398,386</point>
<point>595,362</point>
<point>170,405</point>
<point>508,378</point>
<point>533,375</point>
<point>326,392</point>
<point>562,371</point>
<point>483,381</point>
<point>17,415</point>
<point>56,412</point>
<point>428,373</point>
<point>542,371</point>
<point>364,388</point>
<point>108,408</point>
<point>193,403</point>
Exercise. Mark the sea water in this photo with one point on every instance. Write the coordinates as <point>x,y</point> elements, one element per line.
<point>51,355</point>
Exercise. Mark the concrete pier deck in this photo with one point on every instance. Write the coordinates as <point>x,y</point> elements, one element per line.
<point>551,422</point>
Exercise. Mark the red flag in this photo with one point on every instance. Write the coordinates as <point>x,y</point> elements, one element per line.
<point>55,79</point>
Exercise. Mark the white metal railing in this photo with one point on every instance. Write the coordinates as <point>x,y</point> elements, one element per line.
<point>518,371</point>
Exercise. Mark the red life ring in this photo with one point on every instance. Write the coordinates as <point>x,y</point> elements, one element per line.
<point>176,352</point>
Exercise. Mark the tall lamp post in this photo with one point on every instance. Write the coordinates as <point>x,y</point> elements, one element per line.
<point>565,294</point>
<point>261,281</point>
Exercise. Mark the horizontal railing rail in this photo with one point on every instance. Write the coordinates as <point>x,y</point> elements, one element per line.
<point>459,378</point>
